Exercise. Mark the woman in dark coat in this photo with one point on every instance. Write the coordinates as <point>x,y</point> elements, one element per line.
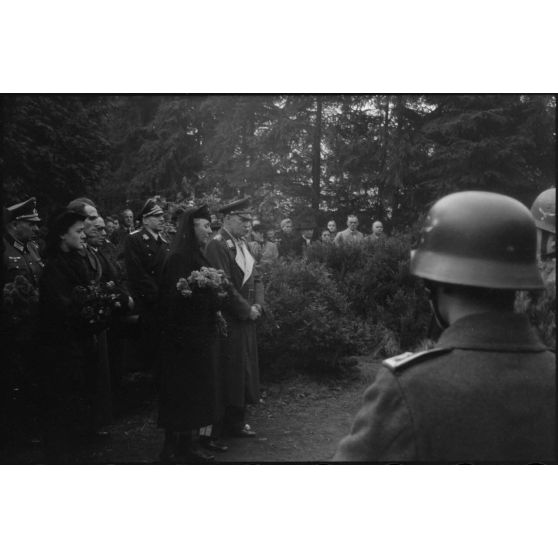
<point>74,355</point>
<point>189,390</point>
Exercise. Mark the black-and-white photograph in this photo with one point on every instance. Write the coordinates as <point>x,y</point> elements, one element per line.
<point>278,278</point>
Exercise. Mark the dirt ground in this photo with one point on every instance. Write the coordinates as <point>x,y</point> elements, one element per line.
<point>298,420</point>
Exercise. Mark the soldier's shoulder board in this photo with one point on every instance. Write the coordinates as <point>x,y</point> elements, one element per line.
<point>404,360</point>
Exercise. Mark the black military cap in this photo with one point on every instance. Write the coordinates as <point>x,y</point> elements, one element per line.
<point>150,209</point>
<point>239,207</point>
<point>24,211</point>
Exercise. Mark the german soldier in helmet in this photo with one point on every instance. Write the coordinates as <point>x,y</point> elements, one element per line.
<point>541,307</point>
<point>544,213</point>
<point>486,392</point>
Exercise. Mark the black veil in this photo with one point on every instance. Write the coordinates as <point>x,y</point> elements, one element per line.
<point>185,254</point>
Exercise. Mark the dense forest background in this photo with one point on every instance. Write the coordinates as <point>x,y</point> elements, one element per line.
<point>311,157</point>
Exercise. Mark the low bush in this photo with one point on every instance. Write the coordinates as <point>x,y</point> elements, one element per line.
<point>376,280</point>
<point>309,324</point>
<point>342,301</point>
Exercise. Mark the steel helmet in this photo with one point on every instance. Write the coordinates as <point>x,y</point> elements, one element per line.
<point>544,210</point>
<point>479,239</point>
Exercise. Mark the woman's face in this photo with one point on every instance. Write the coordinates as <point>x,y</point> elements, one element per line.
<point>73,238</point>
<point>202,230</point>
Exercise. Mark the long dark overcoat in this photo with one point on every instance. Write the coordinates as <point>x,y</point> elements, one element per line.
<point>75,369</point>
<point>239,350</point>
<point>190,394</point>
<point>486,393</point>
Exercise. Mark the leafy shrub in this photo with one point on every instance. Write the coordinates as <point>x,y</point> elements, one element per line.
<point>310,324</point>
<point>376,280</point>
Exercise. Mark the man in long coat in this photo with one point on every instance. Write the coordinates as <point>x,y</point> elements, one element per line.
<point>22,267</point>
<point>239,352</point>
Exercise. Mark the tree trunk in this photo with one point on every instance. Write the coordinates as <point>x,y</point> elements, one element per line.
<point>384,171</point>
<point>316,157</point>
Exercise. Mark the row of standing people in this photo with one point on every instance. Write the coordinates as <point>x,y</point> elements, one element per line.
<point>56,308</point>
<point>201,383</point>
<point>267,246</point>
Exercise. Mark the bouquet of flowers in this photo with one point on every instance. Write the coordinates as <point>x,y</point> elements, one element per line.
<point>20,300</point>
<point>206,278</point>
<point>95,303</point>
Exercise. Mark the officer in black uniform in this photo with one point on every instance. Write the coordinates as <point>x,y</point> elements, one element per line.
<point>487,391</point>
<point>21,252</point>
<point>145,251</point>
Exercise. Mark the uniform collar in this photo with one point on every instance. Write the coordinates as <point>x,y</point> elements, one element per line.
<point>490,331</point>
<point>231,236</point>
<point>155,236</point>
<point>18,245</point>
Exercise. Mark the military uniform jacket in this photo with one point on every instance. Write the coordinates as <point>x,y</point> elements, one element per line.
<point>144,257</point>
<point>486,393</point>
<point>239,350</point>
<point>21,259</point>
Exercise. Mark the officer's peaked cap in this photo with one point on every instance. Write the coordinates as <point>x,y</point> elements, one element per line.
<point>238,207</point>
<point>23,211</point>
<point>150,209</point>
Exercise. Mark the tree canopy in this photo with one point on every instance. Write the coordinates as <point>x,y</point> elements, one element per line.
<point>311,157</point>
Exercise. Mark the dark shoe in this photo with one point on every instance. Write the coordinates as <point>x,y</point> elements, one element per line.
<point>243,432</point>
<point>199,455</point>
<point>167,457</point>
<point>213,444</point>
